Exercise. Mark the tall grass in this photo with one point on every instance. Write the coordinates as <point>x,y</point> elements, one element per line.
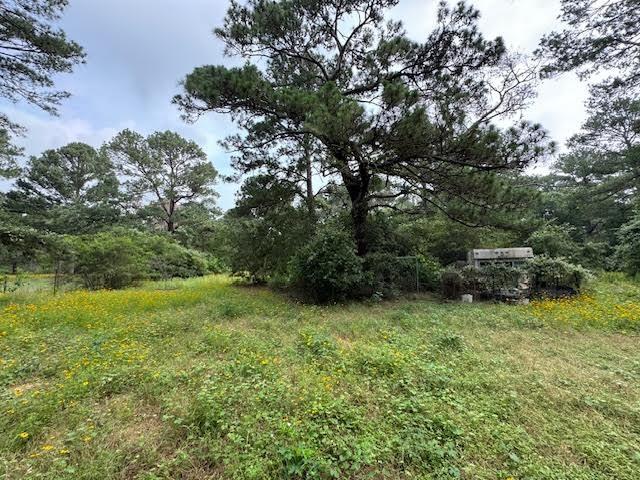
<point>204,379</point>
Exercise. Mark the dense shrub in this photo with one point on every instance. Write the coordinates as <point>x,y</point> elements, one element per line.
<point>120,258</point>
<point>498,276</point>
<point>557,241</point>
<point>547,276</point>
<point>555,276</point>
<point>390,275</point>
<point>215,264</point>
<point>109,260</point>
<point>263,247</point>
<point>628,251</point>
<point>167,259</point>
<point>328,269</point>
<point>597,255</point>
<point>385,235</point>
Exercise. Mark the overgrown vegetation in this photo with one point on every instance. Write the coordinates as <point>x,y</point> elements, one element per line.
<point>208,380</point>
<point>121,258</point>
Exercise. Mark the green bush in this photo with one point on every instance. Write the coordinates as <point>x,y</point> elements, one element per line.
<point>263,247</point>
<point>120,258</point>
<point>168,259</point>
<point>109,260</point>
<point>557,241</point>
<point>628,250</point>
<point>549,276</point>
<point>597,255</point>
<point>555,275</point>
<point>498,276</point>
<point>327,268</point>
<point>215,264</point>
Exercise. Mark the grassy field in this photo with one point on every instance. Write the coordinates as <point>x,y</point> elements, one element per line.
<point>202,379</point>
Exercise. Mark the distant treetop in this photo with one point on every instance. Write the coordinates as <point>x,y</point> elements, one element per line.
<point>601,36</point>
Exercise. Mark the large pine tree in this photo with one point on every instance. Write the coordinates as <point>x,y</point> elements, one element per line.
<point>600,173</point>
<point>67,190</point>
<point>600,36</point>
<point>32,51</point>
<point>395,118</point>
<point>164,171</point>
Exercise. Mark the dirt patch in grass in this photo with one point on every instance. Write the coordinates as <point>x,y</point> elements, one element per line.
<point>131,423</point>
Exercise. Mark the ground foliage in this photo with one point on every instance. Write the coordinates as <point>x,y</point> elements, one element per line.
<point>202,379</point>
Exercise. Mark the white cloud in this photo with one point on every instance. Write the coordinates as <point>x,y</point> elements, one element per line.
<point>48,132</point>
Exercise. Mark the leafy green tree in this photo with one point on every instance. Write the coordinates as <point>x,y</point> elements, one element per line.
<point>569,199</point>
<point>71,189</point>
<point>416,118</point>
<point>32,52</point>
<point>166,167</point>
<point>554,241</point>
<point>601,36</point>
<point>571,216</point>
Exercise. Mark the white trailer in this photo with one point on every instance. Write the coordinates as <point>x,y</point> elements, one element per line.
<point>512,257</point>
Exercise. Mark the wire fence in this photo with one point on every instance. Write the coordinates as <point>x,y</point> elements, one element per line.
<point>28,283</point>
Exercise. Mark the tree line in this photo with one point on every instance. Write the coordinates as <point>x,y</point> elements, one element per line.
<point>162,180</point>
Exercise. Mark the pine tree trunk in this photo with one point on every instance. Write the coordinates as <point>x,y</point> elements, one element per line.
<point>358,188</point>
<point>311,207</point>
<point>359,214</point>
<point>310,200</point>
<point>171,226</point>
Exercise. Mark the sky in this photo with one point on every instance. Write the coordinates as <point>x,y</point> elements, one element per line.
<point>139,50</point>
